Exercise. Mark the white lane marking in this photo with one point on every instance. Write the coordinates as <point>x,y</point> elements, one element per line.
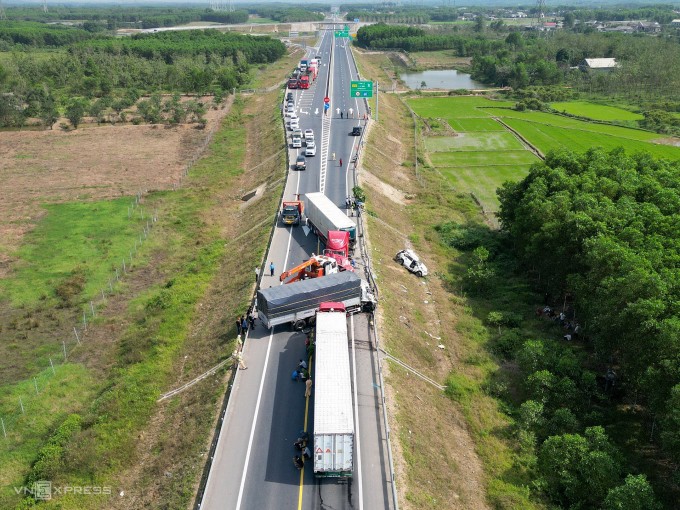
<point>356,419</point>
<point>264,374</point>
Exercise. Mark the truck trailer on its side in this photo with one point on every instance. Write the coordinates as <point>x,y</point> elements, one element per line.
<point>333,412</point>
<point>323,215</point>
<point>298,302</point>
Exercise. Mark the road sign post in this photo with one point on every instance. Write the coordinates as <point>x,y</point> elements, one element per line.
<point>361,88</point>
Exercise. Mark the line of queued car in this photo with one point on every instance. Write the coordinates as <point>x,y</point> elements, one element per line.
<point>298,137</point>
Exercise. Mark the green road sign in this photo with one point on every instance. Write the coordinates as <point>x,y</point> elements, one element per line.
<point>361,89</point>
<point>342,33</point>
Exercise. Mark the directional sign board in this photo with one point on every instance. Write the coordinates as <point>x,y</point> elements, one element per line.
<point>361,88</point>
<point>342,33</point>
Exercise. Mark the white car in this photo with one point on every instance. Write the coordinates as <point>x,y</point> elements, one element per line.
<point>309,134</point>
<point>297,142</point>
<point>297,132</point>
<point>310,150</point>
<point>294,124</point>
<point>410,261</point>
<point>290,110</point>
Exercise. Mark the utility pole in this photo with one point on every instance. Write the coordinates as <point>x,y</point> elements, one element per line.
<point>44,5</point>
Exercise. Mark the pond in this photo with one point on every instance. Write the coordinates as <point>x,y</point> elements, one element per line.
<point>449,79</point>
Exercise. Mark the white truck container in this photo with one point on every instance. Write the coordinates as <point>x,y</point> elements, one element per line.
<point>333,413</point>
<point>323,215</point>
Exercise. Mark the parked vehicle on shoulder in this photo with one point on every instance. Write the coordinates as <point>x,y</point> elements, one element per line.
<point>410,261</point>
<point>297,132</point>
<point>290,110</point>
<point>297,142</point>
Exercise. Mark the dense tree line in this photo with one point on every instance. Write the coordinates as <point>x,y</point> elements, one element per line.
<point>112,17</point>
<point>660,13</point>
<point>601,228</point>
<point>192,62</point>
<point>383,36</point>
<point>289,14</point>
<point>173,44</point>
<point>39,35</point>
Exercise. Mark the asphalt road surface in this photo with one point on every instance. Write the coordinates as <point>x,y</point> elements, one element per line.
<point>253,463</point>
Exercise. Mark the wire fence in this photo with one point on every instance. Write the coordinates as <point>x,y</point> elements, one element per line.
<point>18,408</point>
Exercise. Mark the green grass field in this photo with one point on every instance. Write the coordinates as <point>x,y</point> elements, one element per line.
<point>484,154</point>
<point>596,111</point>
<point>74,241</point>
<point>483,180</point>
<point>546,137</point>
<point>574,124</point>
<point>504,141</point>
<point>453,108</point>
<point>483,158</point>
<point>475,125</point>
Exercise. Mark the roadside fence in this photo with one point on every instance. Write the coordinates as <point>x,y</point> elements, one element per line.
<point>18,409</point>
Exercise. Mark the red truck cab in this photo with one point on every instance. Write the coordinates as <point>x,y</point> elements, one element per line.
<point>304,82</point>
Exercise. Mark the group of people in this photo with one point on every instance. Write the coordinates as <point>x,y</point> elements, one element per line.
<point>300,444</point>
<point>245,322</point>
<point>572,328</point>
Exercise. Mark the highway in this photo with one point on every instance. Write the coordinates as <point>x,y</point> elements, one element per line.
<point>252,466</point>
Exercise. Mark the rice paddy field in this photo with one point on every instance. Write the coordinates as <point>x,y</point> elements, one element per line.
<point>596,111</point>
<point>484,151</point>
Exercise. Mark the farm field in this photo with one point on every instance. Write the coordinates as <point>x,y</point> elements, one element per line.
<point>483,158</point>
<point>596,111</point>
<point>455,108</point>
<point>546,137</point>
<point>483,153</point>
<point>474,141</point>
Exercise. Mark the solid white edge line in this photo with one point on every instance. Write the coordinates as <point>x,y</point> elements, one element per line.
<point>356,418</point>
<point>264,375</point>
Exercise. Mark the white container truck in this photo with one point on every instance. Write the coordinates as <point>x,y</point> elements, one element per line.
<point>323,215</point>
<point>297,303</point>
<point>333,413</point>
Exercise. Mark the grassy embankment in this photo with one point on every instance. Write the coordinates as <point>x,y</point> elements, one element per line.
<point>183,283</point>
<point>453,452</point>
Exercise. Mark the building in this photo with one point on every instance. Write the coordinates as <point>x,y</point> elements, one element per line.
<point>675,23</point>
<point>650,27</point>
<point>598,64</point>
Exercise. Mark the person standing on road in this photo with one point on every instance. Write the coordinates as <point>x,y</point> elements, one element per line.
<point>341,114</point>
<point>308,387</point>
<point>271,268</point>
<point>333,156</point>
<point>257,274</point>
<point>238,326</point>
<point>340,161</point>
<point>244,325</point>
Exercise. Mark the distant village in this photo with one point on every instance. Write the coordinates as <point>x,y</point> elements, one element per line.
<point>553,21</point>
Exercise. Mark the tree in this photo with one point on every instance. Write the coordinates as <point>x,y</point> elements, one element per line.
<point>479,24</point>
<point>48,112</point>
<point>75,111</point>
<point>579,470</point>
<point>496,319</point>
<point>568,20</point>
<point>634,494</point>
